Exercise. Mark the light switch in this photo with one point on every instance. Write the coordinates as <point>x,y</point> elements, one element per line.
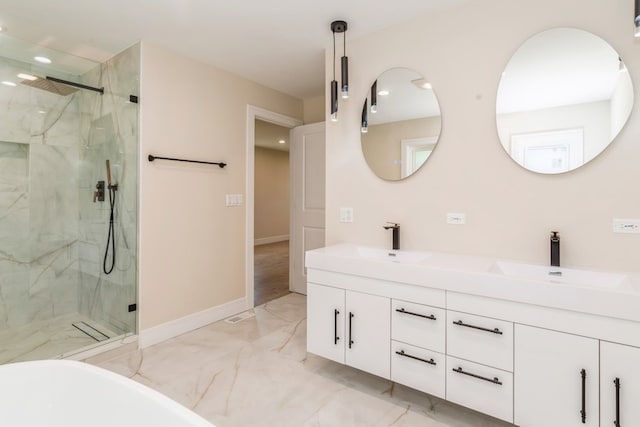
<point>346,214</point>
<point>234,199</point>
<point>456,218</point>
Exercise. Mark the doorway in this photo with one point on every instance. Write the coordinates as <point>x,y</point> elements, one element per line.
<point>255,116</point>
<point>271,211</point>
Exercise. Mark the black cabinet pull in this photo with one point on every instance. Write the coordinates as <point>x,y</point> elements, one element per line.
<point>583,412</point>
<point>402,353</point>
<point>351,316</point>
<point>336,338</point>
<point>617,383</point>
<point>403,311</point>
<point>466,325</point>
<point>495,380</point>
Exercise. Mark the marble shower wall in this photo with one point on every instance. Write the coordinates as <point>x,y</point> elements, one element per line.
<point>39,151</point>
<point>110,132</point>
<point>52,236</point>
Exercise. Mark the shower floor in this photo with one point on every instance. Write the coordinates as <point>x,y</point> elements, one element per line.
<point>47,339</point>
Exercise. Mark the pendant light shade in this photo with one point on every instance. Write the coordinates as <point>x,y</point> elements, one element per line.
<point>334,101</point>
<point>637,18</point>
<point>364,127</point>
<point>339,27</point>
<point>374,97</point>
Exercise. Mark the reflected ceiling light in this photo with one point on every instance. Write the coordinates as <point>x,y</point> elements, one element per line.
<point>42,59</point>
<point>422,83</point>
<point>281,141</point>
<point>339,27</point>
<point>374,97</point>
<point>364,126</point>
<point>637,18</point>
<point>8,83</point>
<point>27,77</point>
<point>621,67</point>
<point>383,92</point>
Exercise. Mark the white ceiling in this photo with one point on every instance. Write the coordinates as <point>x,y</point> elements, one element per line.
<point>278,43</point>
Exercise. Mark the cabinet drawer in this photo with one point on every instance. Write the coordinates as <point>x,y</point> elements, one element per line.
<point>480,387</point>
<point>418,368</point>
<point>480,339</point>
<point>418,324</point>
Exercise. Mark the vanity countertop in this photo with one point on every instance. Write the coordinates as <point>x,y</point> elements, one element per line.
<point>612,294</point>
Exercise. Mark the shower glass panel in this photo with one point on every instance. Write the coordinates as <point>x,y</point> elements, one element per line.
<point>55,140</point>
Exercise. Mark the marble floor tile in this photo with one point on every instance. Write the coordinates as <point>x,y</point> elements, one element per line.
<point>257,372</point>
<point>47,339</point>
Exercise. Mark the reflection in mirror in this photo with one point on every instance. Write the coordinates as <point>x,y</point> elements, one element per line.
<point>563,98</point>
<point>400,124</point>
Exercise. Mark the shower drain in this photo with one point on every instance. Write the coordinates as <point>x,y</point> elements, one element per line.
<point>91,331</point>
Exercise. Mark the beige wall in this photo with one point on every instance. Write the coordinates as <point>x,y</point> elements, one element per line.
<point>381,145</point>
<point>192,247</point>
<point>314,110</point>
<point>271,200</point>
<point>510,211</point>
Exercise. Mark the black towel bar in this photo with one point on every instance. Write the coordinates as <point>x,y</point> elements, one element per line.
<point>152,158</point>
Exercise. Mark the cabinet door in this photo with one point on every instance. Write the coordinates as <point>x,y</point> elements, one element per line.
<point>325,321</point>
<point>368,333</point>
<point>619,400</point>
<point>549,386</point>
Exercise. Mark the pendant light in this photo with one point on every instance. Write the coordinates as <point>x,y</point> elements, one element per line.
<point>364,127</point>
<point>637,18</point>
<point>339,27</point>
<point>374,97</point>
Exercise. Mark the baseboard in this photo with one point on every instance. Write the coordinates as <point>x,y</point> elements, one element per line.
<point>272,239</point>
<point>171,329</point>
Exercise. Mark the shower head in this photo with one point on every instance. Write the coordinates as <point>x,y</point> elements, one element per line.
<point>49,85</point>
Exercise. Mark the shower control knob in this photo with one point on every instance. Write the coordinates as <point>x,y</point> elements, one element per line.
<point>99,193</point>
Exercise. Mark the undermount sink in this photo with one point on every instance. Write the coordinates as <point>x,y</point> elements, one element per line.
<point>404,257</point>
<point>558,274</point>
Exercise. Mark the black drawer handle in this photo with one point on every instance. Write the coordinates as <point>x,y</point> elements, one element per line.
<point>493,331</point>
<point>617,385</point>
<point>403,311</point>
<point>336,338</point>
<point>402,353</point>
<point>583,411</point>
<point>495,380</point>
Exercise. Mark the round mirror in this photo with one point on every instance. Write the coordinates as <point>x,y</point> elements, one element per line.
<point>400,124</point>
<point>563,98</point>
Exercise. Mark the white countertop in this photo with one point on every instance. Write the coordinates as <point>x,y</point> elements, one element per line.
<point>613,294</point>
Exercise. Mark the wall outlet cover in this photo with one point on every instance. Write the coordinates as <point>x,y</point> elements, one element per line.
<point>628,226</point>
<point>346,214</point>
<point>456,218</point>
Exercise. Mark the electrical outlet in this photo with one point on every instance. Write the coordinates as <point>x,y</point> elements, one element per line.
<point>346,214</point>
<point>456,218</point>
<point>630,226</point>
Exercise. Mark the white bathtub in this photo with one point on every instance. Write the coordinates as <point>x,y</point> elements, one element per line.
<point>66,393</point>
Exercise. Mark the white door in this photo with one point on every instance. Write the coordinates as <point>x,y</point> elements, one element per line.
<point>307,160</point>
<point>368,333</point>
<point>548,379</point>
<point>619,385</point>
<point>325,322</point>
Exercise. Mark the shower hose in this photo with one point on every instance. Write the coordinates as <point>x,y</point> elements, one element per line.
<point>111,237</point>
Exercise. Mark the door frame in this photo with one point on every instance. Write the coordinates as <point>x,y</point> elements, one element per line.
<point>254,113</point>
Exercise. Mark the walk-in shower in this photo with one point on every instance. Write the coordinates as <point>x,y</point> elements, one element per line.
<point>67,256</point>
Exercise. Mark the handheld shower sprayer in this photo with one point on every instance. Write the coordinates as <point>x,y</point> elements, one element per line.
<point>111,237</point>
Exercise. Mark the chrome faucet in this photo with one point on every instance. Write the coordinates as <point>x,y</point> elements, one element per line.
<point>555,249</point>
<point>395,227</point>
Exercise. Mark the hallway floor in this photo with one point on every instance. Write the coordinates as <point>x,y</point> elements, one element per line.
<point>257,372</point>
<point>271,272</point>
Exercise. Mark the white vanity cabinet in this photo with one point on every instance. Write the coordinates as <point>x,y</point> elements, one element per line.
<point>619,385</point>
<point>349,327</point>
<point>556,379</point>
